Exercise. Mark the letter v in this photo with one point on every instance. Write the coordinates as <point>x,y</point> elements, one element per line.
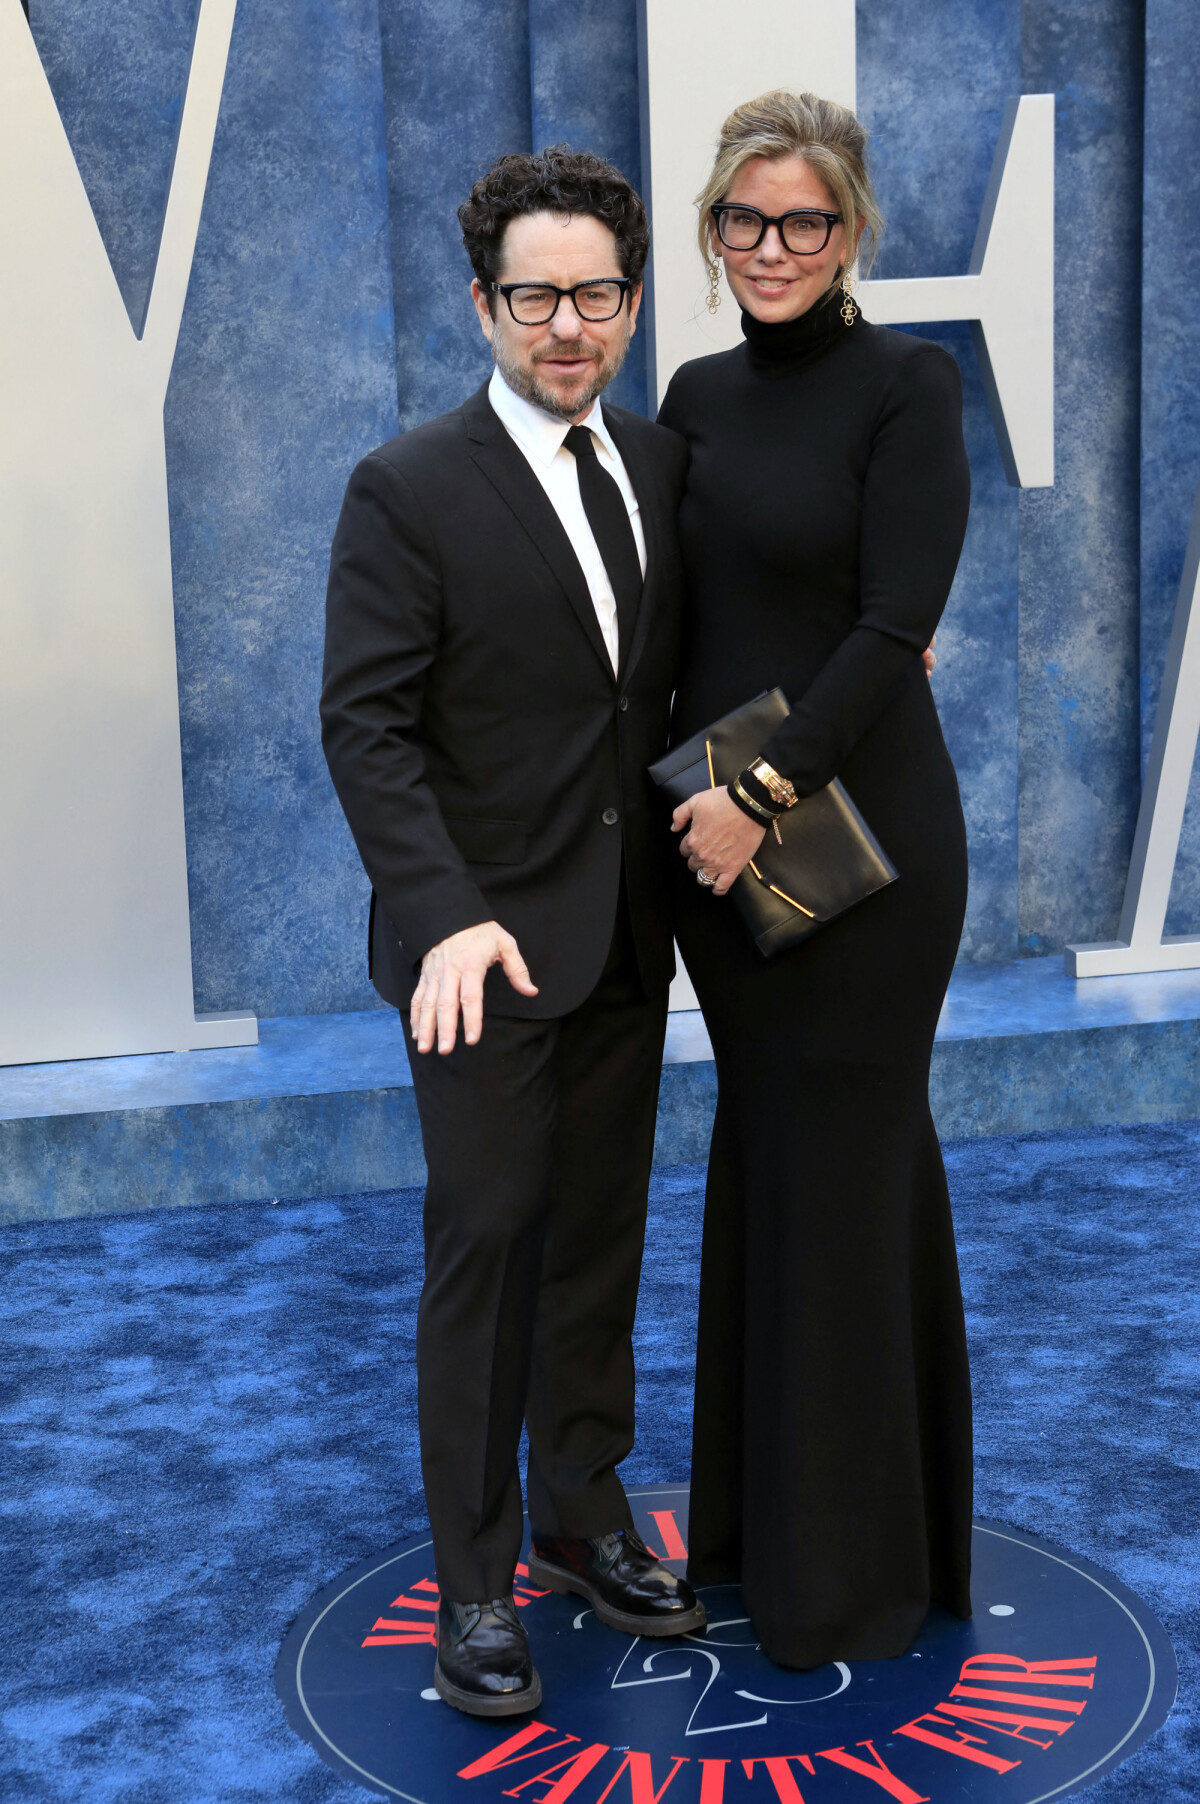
<point>517,1747</point>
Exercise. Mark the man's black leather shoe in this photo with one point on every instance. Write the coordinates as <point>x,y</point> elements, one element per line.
<point>483,1661</point>
<point>626,1586</point>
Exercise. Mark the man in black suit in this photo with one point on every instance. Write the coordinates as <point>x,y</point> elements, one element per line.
<point>503,623</point>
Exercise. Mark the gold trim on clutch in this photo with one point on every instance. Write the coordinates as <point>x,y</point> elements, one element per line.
<point>804,911</point>
<point>782,893</point>
<point>712,781</point>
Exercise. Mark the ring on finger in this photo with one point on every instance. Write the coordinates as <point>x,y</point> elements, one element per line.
<point>704,879</point>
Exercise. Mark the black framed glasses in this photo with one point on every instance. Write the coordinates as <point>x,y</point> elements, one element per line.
<point>536,303</point>
<point>804,231</point>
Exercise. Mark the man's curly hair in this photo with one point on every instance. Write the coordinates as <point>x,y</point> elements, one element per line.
<point>556,180</point>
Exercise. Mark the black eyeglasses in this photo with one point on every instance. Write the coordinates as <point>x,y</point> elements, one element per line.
<point>804,231</point>
<point>536,303</point>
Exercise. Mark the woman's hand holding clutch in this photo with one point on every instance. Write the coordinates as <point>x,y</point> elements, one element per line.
<point>720,840</point>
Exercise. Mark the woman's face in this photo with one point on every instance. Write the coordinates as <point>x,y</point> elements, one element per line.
<point>771,282</point>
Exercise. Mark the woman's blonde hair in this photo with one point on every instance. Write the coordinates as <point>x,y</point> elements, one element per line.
<point>830,140</point>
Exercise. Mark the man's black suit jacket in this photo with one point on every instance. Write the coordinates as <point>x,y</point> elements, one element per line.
<point>490,764</point>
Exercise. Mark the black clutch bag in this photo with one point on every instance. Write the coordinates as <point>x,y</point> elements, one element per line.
<point>818,860</point>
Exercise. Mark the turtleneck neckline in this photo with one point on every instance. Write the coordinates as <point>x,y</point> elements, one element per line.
<point>792,343</point>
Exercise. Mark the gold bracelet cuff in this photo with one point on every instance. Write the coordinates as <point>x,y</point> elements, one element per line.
<point>778,788</point>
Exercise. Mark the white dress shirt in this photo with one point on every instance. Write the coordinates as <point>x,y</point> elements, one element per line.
<point>539,435</point>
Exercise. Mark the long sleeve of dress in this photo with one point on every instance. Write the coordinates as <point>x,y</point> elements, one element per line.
<point>914,516</point>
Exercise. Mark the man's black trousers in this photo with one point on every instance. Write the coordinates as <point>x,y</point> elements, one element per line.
<point>538,1142</point>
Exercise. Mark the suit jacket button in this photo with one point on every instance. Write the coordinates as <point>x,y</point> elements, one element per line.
<point>610,817</point>
<point>624,703</point>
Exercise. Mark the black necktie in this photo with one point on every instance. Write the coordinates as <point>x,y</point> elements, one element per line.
<point>608,518</point>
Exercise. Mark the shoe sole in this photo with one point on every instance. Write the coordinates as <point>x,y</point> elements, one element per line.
<point>557,1578</point>
<point>482,1703</point>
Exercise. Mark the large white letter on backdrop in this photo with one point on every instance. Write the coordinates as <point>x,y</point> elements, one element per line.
<point>1142,945</point>
<point>95,946</point>
<point>698,60</point>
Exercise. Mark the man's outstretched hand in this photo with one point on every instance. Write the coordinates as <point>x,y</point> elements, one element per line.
<point>452,975</point>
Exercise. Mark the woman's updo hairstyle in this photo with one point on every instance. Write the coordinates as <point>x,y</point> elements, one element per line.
<point>827,136</point>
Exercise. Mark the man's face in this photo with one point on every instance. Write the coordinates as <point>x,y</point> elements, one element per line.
<point>563,365</point>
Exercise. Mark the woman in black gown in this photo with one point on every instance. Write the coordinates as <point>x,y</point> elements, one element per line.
<point>821,529</point>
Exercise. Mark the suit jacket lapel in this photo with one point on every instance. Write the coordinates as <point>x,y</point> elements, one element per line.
<point>505,466</point>
<point>643,476</point>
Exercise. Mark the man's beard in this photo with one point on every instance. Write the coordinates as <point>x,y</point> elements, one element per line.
<point>523,378</point>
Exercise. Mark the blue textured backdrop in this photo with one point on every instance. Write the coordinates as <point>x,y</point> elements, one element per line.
<point>1170,373</point>
<point>931,171</point>
<point>1079,540</point>
<point>329,301</point>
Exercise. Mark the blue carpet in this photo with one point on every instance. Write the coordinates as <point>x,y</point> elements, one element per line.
<point>208,1413</point>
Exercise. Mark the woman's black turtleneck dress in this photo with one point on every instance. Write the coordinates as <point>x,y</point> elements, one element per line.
<point>831,1461</point>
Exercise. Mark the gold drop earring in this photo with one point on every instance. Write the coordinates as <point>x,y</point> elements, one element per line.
<point>713,300</point>
<point>849,309</point>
